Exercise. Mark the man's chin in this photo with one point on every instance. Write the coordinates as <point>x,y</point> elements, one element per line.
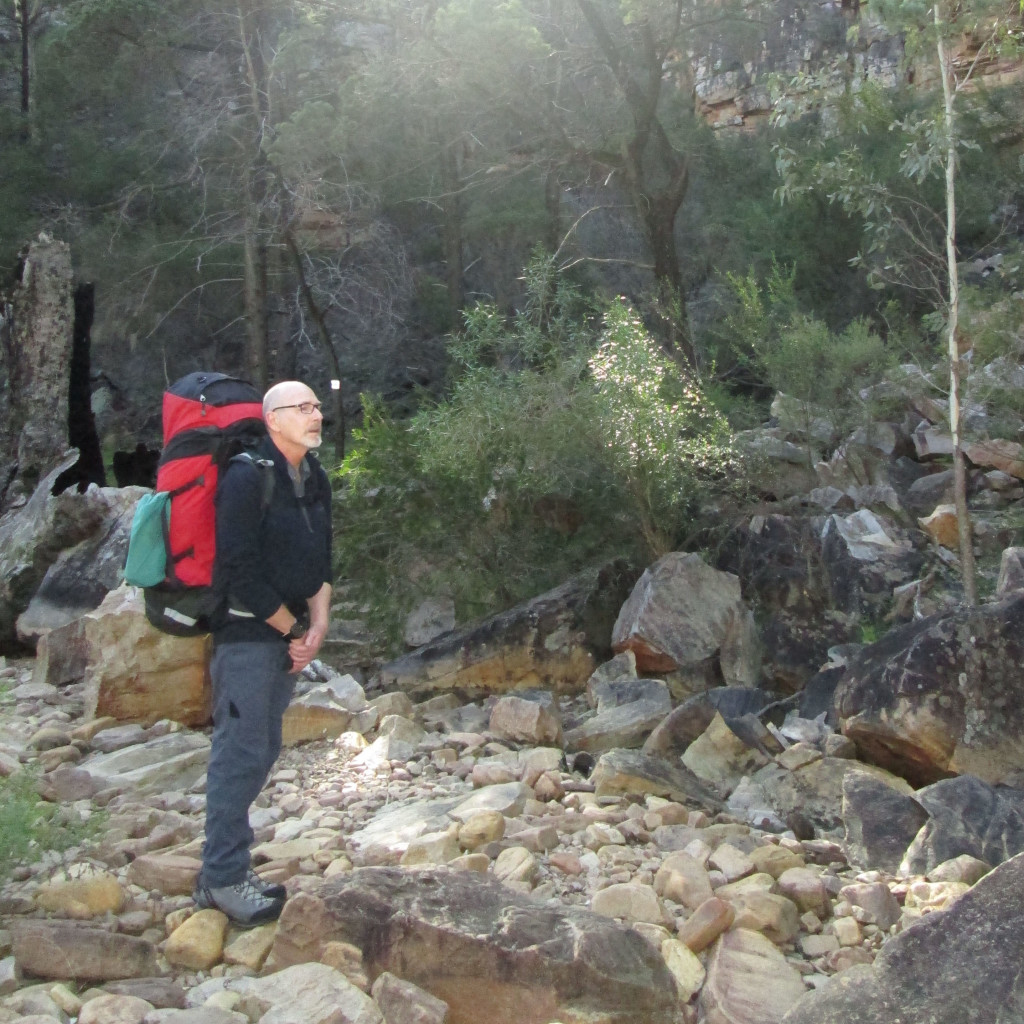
<point>315,441</point>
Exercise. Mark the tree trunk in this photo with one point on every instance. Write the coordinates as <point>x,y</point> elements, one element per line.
<point>326,342</point>
<point>451,206</point>
<point>553,207</point>
<point>22,16</point>
<point>255,300</point>
<point>257,190</point>
<point>650,147</point>
<point>966,544</point>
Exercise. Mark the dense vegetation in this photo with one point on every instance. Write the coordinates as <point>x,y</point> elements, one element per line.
<point>352,190</point>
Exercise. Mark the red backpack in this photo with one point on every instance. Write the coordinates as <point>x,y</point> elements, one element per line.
<point>208,420</point>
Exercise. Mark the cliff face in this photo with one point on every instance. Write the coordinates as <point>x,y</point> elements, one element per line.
<point>842,41</point>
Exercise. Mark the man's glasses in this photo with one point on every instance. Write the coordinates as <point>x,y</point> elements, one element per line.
<point>306,408</point>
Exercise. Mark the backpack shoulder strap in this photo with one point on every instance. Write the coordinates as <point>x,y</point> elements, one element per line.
<point>266,468</point>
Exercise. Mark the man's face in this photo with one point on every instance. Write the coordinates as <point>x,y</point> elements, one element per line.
<point>291,420</point>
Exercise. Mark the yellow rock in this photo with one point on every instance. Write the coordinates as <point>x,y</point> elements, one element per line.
<point>685,967</point>
<point>199,942</point>
<point>250,949</point>
<point>88,896</point>
<point>66,1000</point>
<point>942,526</point>
<point>136,673</point>
<point>176,918</point>
<point>224,1000</point>
<point>773,860</point>
<point>348,959</point>
<point>87,730</point>
<point>478,862</point>
<point>114,1009</point>
<point>307,721</point>
<point>339,866</point>
<point>481,828</point>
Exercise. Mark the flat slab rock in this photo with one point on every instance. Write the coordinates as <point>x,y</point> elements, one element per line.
<point>496,956</point>
<point>65,949</point>
<point>553,641</point>
<point>961,966</point>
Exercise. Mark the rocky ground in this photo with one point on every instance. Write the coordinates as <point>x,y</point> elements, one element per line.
<point>444,862</point>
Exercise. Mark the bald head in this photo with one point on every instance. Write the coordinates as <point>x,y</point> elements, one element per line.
<point>294,429</point>
<point>288,392</point>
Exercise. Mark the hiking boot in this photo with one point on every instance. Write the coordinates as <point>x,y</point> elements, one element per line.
<point>244,903</point>
<point>272,889</point>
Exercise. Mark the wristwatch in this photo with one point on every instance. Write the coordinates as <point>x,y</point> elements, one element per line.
<point>297,631</point>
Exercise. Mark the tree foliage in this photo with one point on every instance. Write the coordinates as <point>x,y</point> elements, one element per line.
<point>563,441</point>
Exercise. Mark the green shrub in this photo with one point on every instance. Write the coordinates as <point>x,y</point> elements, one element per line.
<point>802,357</point>
<point>563,442</point>
<point>29,827</point>
<point>666,441</point>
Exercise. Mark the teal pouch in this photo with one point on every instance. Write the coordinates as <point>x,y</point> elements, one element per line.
<point>146,563</point>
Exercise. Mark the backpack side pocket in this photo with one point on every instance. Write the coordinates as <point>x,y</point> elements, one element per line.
<point>146,562</point>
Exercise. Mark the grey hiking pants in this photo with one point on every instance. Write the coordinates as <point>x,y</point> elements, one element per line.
<point>251,690</point>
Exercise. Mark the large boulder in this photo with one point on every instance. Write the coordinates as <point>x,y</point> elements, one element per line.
<point>622,772</point>
<point>32,537</point>
<point>135,673</point>
<point>683,613</point>
<point>494,955</point>
<point>997,453</point>
<point>796,645</point>
<point>966,816</point>
<point>880,822</point>
<point>778,558</point>
<point>687,721</point>
<point>622,725</point>
<point>554,641</point>
<point>865,556</point>
<point>814,789</point>
<point>720,757</point>
<point>306,994</point>
<point>960,966</point>
<point>82,576</point>
<point>941,696</point>
<point>749,981</point>
<point>778,467</point>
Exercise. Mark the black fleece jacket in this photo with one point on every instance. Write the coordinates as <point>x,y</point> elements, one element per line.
<point>266,559</point>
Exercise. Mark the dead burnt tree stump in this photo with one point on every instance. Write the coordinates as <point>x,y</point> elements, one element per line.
<point>36,357</point>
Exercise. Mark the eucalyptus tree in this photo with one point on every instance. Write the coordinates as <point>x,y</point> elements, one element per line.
<point>26,21</point>
<point>623,110</point>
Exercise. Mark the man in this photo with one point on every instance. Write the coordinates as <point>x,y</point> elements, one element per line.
<point>273,565</point>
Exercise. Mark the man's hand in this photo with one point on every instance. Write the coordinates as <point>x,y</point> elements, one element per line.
<point>304,650</point>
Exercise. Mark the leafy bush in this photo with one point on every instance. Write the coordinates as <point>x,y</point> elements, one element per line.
<point>799,355</point>
<point>29,827</point>
<point>666,440</point>
<point>562,442</point>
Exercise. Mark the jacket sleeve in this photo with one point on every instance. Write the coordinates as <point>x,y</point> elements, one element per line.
<point>239,554</point>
